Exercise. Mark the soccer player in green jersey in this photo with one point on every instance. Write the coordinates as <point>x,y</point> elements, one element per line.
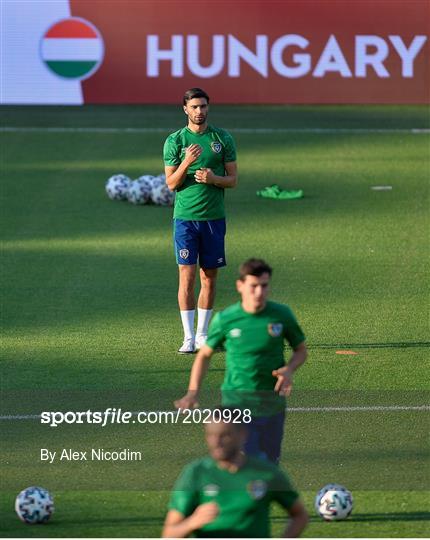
<point>228,494</point>
<point>200,163</point>
<point>253,332</point>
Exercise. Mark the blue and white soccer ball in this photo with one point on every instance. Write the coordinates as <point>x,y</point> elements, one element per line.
<point>117,187</point>
<point>34,505</point>
<point>333,502</point>
<point>162,195</point>
<point>160,179</point>
<point>140,190</point>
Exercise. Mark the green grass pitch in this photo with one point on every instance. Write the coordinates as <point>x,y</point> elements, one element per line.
<point>90,317</point>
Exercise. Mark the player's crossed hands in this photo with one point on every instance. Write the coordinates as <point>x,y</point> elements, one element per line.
<point>284,384</point>
<point>204,176</point>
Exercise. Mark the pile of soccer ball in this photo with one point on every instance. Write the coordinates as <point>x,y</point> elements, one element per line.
<point>144,190</point>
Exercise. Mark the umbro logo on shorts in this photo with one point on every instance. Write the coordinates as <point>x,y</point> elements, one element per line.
<point>183,253</point>
<point>220,260</point>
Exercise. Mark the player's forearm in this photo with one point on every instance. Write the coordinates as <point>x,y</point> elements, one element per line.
<point>298,358</point>
<point>176,179</point>
<point>178,530</point>
<point>228,181</point>
<point>198,372</point>
<point>296,525</point>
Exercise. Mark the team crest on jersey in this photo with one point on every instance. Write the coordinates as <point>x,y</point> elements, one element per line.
<point>257,489</point>
<point>235,332</point>
<point>216,147</point>
<point>211,490</point>
<point>183,253</point>
<point>275,329</point>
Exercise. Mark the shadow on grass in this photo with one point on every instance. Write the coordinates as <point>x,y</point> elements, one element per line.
<point>150,520</point>
<point>226,116</point>
<point>158,520</point>
<point>392,516</point>
<point>378,516</point>
<point>386,345</point>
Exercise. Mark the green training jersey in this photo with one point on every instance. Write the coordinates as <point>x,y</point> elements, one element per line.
<point>243,497</point>
<point>255,347</point>
<point>195,201</point>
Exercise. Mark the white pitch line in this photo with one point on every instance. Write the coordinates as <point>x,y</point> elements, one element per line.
<point>21,417</point>
<point>323,131</point>
<point>14,129</point>
<point>370,408</point>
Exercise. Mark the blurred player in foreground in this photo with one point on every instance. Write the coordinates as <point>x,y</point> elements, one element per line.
<point>228,494</point>
<point>200,163</point>
<point>253,332</point>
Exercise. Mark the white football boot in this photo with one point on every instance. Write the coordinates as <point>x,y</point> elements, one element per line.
<point>187,347</point>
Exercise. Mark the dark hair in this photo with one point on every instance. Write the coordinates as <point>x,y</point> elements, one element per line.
<point>254,267</point>
<point>195,93</point>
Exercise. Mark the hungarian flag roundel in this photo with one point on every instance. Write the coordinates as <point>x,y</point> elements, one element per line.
<point>72,48</point>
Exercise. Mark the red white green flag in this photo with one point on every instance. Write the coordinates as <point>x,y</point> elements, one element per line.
<point>72,48</point>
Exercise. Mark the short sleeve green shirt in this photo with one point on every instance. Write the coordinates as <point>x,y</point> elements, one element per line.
<point>195,201</point>
<point>254,343</point>
<point>243,497</point>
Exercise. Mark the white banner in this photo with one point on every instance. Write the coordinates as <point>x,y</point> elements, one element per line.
<point>25,78</point>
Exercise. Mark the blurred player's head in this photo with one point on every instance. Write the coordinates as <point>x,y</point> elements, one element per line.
<point>225,439</point>
<point>196,106</point>
<point>253,284</point>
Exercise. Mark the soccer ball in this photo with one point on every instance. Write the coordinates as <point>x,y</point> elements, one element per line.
<point>34,505</point>
<point>158,180</point>
<point>161,194</point>
<point>117,187</point>
<point>140,190</point>
<point>148,178</point>
<point>161,178</point>
<point>333,502</point>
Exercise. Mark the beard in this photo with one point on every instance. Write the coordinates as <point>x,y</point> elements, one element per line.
<point>199,121</point>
